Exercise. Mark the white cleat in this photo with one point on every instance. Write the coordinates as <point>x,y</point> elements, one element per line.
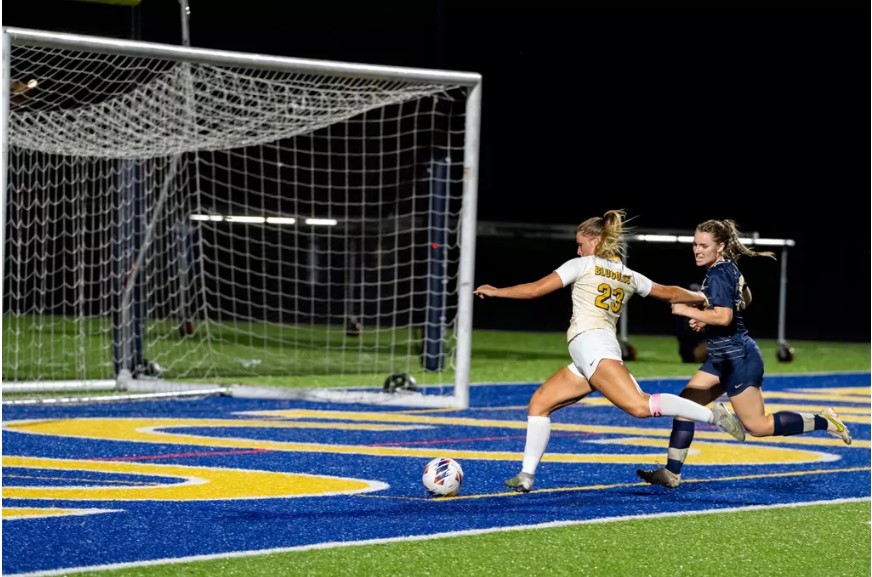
<point>838,427</point>
<point>728,422</point>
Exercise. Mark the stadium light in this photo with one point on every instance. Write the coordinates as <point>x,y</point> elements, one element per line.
<point>263,219</point>
<point>687,239</point>
<point>246,219</point>
<point>207,217</point>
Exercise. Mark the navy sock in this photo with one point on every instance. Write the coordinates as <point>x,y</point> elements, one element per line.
<point>790,423</point>
<point>679,441</point>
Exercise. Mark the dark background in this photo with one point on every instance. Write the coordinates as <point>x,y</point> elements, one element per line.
<point>677,117</point>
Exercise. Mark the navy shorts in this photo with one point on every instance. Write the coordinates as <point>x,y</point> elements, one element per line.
<point>738,374</point>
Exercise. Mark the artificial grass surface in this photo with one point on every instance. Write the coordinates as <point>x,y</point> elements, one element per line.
<point>832,540</point>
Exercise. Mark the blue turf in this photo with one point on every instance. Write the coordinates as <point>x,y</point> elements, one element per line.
<point>142,531</point>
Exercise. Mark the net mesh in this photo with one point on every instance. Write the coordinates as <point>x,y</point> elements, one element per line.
<point>211,223</point>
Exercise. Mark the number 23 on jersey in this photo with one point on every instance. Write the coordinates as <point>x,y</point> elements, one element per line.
<point>610,298</point>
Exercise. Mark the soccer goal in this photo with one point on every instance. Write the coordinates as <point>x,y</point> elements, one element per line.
<point>180,221</point>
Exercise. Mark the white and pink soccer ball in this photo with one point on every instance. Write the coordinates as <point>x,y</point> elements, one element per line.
<point>442,477</point>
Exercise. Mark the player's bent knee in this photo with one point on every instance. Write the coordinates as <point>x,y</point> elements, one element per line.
<point>639,410</point>
<point>539,411</point>
<point>541,406</point>
<point>758,429</point>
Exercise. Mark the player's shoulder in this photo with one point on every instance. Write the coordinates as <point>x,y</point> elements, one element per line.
<point>573,269</point>
<point>724,272</point>
<point>628,270</point>
<point>638,279</point>
<point>584,262</point>
<point>725,268</point>
<point>577,261</point>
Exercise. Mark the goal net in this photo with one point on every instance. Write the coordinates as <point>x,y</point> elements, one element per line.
<point>181,220</point>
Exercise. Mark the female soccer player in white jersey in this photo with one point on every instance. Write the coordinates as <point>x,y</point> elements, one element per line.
<point>601,287</point>
<point>734,364</point>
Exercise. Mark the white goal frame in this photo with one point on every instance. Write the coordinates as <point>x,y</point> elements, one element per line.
<point>470,81</point>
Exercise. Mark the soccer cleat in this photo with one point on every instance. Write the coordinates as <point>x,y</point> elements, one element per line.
<point>728,422</point>
<point>840,430</point>
<point>522,483</point>
<point>660,476</point>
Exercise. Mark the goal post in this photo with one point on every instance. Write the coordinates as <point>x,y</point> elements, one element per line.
<point>784,352</point>
<point>180,220</point>
<point>655,237</point>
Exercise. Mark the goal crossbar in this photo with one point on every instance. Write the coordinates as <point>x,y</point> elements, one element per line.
<point>229,58</point>
<point>119,144</point>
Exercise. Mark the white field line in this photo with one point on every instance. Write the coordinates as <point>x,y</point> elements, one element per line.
<point>412,538</point>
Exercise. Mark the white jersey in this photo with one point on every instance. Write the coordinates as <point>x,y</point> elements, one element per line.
<point>600,291</point>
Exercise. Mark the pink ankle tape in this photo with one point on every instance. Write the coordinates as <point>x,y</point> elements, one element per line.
<point>654,405</point>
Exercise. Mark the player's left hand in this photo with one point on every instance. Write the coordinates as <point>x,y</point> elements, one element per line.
<point>485,290</point>
<point>681,309</point>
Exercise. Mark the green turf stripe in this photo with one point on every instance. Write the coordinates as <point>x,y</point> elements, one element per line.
<point>830,539</point>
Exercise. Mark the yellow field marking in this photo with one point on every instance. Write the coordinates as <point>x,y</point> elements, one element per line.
<point>816,400</point>
<point>566,427</point>
<point>187,484</point>
<point>721,453</point>
<point>161,431</point>
<point>19,513</point>
<point>623,485</point>
<point>822,396</point>
<point>850,412</point>
<point>860,391</point>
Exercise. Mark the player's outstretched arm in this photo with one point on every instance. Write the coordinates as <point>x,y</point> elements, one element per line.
<point>530,290</point>
<point>716,316</point>
<point>676,294</point>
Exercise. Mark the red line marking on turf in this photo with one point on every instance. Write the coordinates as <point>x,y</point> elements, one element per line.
<point>177,455</point>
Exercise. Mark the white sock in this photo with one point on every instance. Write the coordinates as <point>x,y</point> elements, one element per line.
<point>538,433</point>
<point>666,405</point>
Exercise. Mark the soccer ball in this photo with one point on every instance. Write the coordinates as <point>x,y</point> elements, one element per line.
<point>442,477</point>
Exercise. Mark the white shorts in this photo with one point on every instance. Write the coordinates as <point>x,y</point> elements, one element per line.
<point>589,348</point>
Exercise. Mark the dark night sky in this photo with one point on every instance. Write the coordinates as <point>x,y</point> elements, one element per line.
<point>677,117</point>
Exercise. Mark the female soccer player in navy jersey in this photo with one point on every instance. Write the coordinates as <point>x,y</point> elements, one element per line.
<point>601,287</point>
<point>734,364</point>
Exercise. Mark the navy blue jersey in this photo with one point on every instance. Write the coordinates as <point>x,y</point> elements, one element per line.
<point>723,286</point>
